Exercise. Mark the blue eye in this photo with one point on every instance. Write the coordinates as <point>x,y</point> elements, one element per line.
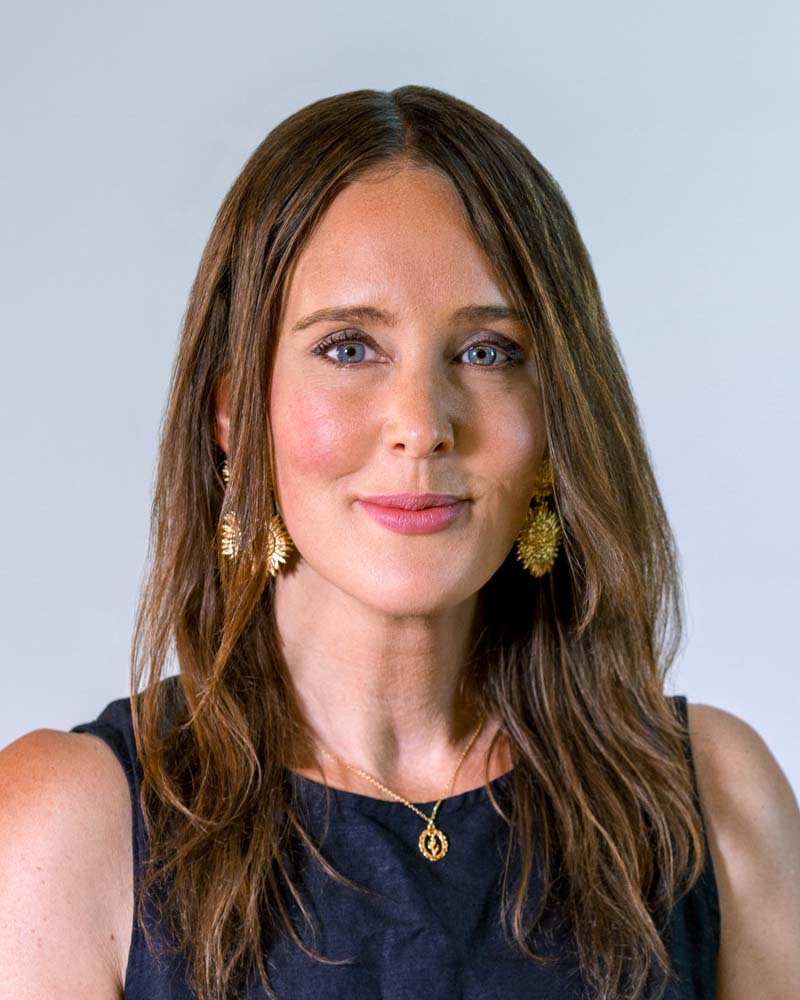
<point>349,339</point>
<point>344,349</point>
<point>484,348</point>
<point>344,339</point>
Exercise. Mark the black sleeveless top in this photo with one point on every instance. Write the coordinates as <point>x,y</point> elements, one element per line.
<point>428,929</point>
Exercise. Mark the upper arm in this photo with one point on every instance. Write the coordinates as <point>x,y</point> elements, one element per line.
<point>65,868</point>
<point>753,824</point>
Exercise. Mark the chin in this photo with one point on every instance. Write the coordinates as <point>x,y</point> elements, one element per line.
<point>412,598</point>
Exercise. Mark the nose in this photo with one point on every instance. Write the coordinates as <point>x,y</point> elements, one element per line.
<point>419,412</point>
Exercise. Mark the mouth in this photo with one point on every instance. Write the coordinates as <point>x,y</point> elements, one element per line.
<point>413,501</point>
<point>415,520</point>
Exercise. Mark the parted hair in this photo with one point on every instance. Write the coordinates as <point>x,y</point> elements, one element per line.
<point>573,664</point>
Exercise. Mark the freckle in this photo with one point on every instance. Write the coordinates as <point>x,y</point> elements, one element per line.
<point>112,937</point>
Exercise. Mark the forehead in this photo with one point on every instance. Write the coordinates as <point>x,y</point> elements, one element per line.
<point>400,237</point>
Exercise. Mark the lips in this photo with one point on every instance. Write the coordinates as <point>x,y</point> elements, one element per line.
<point>415,521</point>
<point>413,501</point>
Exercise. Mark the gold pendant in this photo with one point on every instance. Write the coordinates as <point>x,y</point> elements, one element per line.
<point>433,843</point>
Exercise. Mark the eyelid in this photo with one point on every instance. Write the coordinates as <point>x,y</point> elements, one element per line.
<point>343,337</point>
<point>508,344</point>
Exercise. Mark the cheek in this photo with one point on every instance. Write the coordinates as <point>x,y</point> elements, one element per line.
<point>528,442</point>
<point>515,437</point>
<point>313,437</point>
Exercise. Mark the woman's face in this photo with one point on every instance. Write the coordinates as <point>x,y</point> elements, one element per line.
<point>424,401</point>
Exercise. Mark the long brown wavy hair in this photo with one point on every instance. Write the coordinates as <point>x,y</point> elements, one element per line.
<point>573,664</point>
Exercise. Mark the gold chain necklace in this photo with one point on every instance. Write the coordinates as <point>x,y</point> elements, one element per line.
<point>433,843</point>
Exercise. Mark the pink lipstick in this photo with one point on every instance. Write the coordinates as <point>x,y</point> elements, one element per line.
<point>416,520</point>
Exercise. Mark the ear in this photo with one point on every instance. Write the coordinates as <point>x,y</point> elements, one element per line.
<point>222,402</point>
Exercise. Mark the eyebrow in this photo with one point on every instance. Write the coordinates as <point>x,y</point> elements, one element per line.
<point>358,314</point>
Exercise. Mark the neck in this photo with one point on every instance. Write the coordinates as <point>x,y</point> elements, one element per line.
<point>389,695</point>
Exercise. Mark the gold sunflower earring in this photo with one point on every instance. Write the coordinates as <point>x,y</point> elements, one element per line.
<point>538,541</point>
<point>279,545</point>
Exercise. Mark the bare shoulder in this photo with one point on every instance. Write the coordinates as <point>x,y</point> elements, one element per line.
<point>753,823</point>
<point>66,892</point>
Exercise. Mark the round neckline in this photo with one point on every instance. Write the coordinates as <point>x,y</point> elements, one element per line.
<point>360,800</point>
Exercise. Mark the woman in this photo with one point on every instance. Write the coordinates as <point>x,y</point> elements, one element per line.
<point>418,744</point>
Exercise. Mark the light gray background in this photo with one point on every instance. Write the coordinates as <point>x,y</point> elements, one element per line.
<point>672,129</point>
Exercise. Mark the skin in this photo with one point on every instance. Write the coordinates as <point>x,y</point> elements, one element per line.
<point>376,624</point>
<point>376,665</point>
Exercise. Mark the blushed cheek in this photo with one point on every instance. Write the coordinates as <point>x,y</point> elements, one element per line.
<point>313,438</point>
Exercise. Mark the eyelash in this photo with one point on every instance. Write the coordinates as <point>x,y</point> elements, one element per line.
<point>515,355</point>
